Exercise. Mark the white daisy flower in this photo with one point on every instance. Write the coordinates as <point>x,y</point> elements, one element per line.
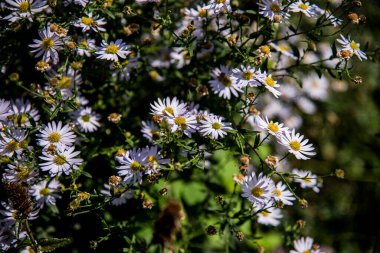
<point>306,179</point>
<point>4,109</point>
<point>90,22</point>
<point>200,13</point>
<point>258,189</point>
<point>24,9</point>
<point>66,82</point>
<point>168,107</point>
<point>13,142</point>
<point>113,51</point>
<point>86,119</point>
<point>185,123</point>
<point>305,244</point>
<point>223,83</point>
<point>273,10</point>
<point>46,192</point>
<point>56,134</point>
<point>284,49</point>
<point>22,112</point>
<point>48,46</point>
<point>134,164</point>
<point>20,172</point>
<point>281,193</point>
<point>297,145</point>
<point>63,160</point>
<point>303,7</point>
<point>269,216</point>
<point>179,57</point>
<point>155,160</point>
<point>85,46</point>
<point>274,128</point>
<point>220,6</point>
<point>119,194</point>
<point>150,131</point>
<point>352,46</point>
<point>247,76</point>
<point>316,87</point>
<point>270,84</point>
<point>214,126</point>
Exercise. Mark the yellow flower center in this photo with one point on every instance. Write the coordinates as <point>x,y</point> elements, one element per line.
<point>354,45</point>
<point>275,7</point>
<point>84,43</point>
<point>264,213</point>
<point>303,6</point>
<point>47,43</point>
<point>295,145</point>
<point>306,251</point>
<point>277,192</point>
<point>44,192</point>
<point>87,20</point>
<point>54,137</point>
<point>154,74</point>
<point>65,82</point>
<point>202,13</point>
<point>112,49</point>
<point>270,81</point>
<point>247,75</point>
<point>273,127</point>
<point>168,111</point>
<point>152,158</point>
<point>59,159</point>
<point>283,48</point>
<point>216,125</point>
<point>180,121</point>
<point>265,49</point>
<point>86,118</point>
<point>136,166</point>
<point>225,80</point>
<point>12,145</point>
<point>23,173</point>
<point>257,191</point>
<point>220,1</point>
<point>307,179</point>
<point>24,6</point>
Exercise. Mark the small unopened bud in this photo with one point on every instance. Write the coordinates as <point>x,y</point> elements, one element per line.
<point>251,96</point>
<point>243,169</point>
<point>74,204</point>
<point>53,27</point>
<point>357,3</point>
<point>244,159</point>
<point>232,40</point>
<point>339,173</point>
<point>240,236</point>
<point>353,17</point>
<point>357,80</point>
<point>164,191</point>
<point>202,90</point>
<point>211,230</point>
<point>83,195</point>
<point>315,247</point>
<point>301,223</point>
<point>253,110</point>
<point>147,204</point>
<point>114,180</point>
<point>114,117</point>
<point>277,18</point>
<point>312,46</point>
<point>272,161</point>
<point>71,45</point>
<point>76,65</point>
<point>280,204</point>
<point>303,203</point>
<point>177,165</point>
<point>362,19</point>
<point>14,77</point>
<point>42,66</point>
<point>345,54</point>
<point>157,118</point>
<point>258,61</point>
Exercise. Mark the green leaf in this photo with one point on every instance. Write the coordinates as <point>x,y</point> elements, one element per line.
<point>51,244</point>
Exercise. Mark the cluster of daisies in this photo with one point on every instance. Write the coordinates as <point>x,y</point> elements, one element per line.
<point>268,198</point>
